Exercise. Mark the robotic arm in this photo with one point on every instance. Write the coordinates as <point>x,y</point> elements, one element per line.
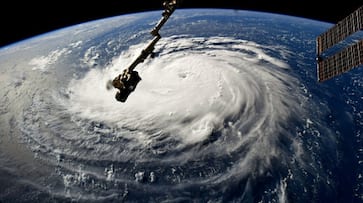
<point>128,80</point>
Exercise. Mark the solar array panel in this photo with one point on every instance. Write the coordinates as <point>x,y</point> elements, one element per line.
<point>340,31</point>
<point>345,59</point>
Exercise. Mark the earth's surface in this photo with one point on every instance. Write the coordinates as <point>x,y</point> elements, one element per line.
<point>229,110</point>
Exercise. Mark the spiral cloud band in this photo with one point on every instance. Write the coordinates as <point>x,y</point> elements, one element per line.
<point>206,111</point>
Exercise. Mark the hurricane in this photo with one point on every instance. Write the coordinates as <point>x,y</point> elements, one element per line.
<point>211,116</point>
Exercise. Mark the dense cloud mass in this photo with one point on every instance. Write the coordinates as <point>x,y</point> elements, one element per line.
<point>208,110</point>
<point>218,85</point>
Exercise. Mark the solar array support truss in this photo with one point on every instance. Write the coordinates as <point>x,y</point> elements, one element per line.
<point>345,59</point>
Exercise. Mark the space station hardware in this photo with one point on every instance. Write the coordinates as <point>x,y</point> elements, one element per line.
<point>128,80</point>
<point>346,59</point>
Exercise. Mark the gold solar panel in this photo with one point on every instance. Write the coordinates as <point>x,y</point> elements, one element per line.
<point>346,59</point>
<point>343,61</point>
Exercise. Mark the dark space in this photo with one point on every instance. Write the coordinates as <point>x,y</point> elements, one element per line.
<point>24,19</point>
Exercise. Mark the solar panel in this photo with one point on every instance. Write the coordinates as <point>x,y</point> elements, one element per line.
<point>340,31</point>
<point>346,59</point>
<point>343,61</point>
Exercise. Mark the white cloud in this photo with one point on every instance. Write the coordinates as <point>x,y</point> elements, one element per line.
<point>44,62</point>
